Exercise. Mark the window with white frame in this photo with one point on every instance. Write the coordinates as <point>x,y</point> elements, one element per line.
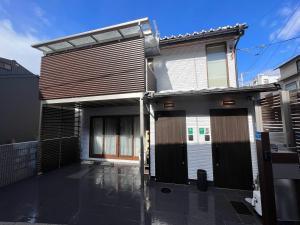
<point>217,66</point>
<point>291,86</point>
<point>298,66</point>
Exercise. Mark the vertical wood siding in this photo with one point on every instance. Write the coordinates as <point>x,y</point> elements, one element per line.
<point>108,69</point>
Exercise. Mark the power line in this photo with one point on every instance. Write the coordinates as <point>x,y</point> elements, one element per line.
<point>282,28</point>
<point>263,46</point>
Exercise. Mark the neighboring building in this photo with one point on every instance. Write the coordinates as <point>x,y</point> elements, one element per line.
<point>20,104</point>
<point>180,89</point>
<point>290,74</point>
<point>265,79</point>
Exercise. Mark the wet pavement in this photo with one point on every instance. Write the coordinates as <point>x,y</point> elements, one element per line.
<point>97,194</point>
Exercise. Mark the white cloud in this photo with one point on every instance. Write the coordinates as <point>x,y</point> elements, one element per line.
<point>291,26</point>
<point>285,11</point>
<point>40,14</point>
<point>17,46</point>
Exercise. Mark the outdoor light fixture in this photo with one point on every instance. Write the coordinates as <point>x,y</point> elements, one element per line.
<point>169,105</point>
<point>228,102</point>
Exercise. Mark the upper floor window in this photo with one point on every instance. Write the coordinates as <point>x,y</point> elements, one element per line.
<point>217,66</point>
<point>291,86</point>
<point>266,81</point>
<point>298,66</point>
<point>5,66</point>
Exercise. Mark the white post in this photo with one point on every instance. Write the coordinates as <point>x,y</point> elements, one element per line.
<point>142,141</point>
<point>258,116</point>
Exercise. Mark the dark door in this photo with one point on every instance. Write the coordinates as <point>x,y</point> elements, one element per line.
<point>231,148</point>
<point>170,147</point>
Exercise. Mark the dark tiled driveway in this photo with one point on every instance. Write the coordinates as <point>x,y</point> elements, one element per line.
<point>97,194</point>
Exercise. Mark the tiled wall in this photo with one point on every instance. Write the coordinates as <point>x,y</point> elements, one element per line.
<point>185,68</point>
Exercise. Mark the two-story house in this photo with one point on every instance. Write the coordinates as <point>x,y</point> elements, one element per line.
<point>179,95</point>
<point>290,74</point>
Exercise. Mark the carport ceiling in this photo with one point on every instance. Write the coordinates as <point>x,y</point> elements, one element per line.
<point>131,29</point>
<point>103,103</point>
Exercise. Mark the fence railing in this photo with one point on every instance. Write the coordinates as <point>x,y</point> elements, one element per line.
<point>18,161</point>
<point>295,116</point>
<point>281,117</point>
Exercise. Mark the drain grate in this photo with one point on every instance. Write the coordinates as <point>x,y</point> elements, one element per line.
<point>240,208</point>
<point>166,190</point>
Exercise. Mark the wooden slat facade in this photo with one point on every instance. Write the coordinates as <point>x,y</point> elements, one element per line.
<point>295,116</point>
<point>113,68</point>
<point>271,113</point>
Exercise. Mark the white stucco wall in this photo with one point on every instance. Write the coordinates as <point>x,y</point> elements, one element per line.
<point>199,153</point>
<point>185,68</point>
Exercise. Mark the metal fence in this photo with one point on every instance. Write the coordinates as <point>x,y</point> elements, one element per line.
<point>60,131</point>
<point>18,161</point>
<point>58,152</point>
<point>281,117</point>
<point>295,117</point>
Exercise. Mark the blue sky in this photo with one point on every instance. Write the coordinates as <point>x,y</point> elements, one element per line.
<point>25,22</point>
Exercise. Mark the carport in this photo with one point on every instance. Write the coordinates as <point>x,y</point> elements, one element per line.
<point>64,124</point>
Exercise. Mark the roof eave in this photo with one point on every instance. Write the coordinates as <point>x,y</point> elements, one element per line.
<point>238,31</point>
<point>83,34</point>
<point>245,90</point>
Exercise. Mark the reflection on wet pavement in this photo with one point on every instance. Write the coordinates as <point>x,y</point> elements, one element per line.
<point>96,194</point>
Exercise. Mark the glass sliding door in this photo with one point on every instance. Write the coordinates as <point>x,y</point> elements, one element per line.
<point>110,136</point>
<point>126,136</point>
<point>115,137</point>
<point>98,137</point>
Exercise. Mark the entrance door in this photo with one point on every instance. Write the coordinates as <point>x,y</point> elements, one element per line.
<point>170,147</point>
<point>231,148</point>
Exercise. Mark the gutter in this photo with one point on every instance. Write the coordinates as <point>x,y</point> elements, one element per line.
<point>202,92</point>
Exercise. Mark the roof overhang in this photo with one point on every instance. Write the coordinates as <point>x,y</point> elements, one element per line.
<point>131,29</point>
<point>288,61</point>
<point>216,91</point>
<point>221,32</point>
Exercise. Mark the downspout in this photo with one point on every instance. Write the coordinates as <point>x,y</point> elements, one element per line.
<point>241,33</point>
<point>236,69</point>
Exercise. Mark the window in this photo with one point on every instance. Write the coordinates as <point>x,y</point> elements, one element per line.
<point>266,81</point>
<point>115,137</point>
<point>291,86</point>
<point>217,66</point>
<point>5,66</point>
<point>298,66</point>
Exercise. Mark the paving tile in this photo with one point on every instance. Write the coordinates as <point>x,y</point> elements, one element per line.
<point>98,194</point>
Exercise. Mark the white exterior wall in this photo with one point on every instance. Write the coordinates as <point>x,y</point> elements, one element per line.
<point>185,67</point>
<point>199,152</point>
<point>103,111</point>
<point>288,70</point>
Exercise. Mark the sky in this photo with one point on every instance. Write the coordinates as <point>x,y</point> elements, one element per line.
<point>264,46</point>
